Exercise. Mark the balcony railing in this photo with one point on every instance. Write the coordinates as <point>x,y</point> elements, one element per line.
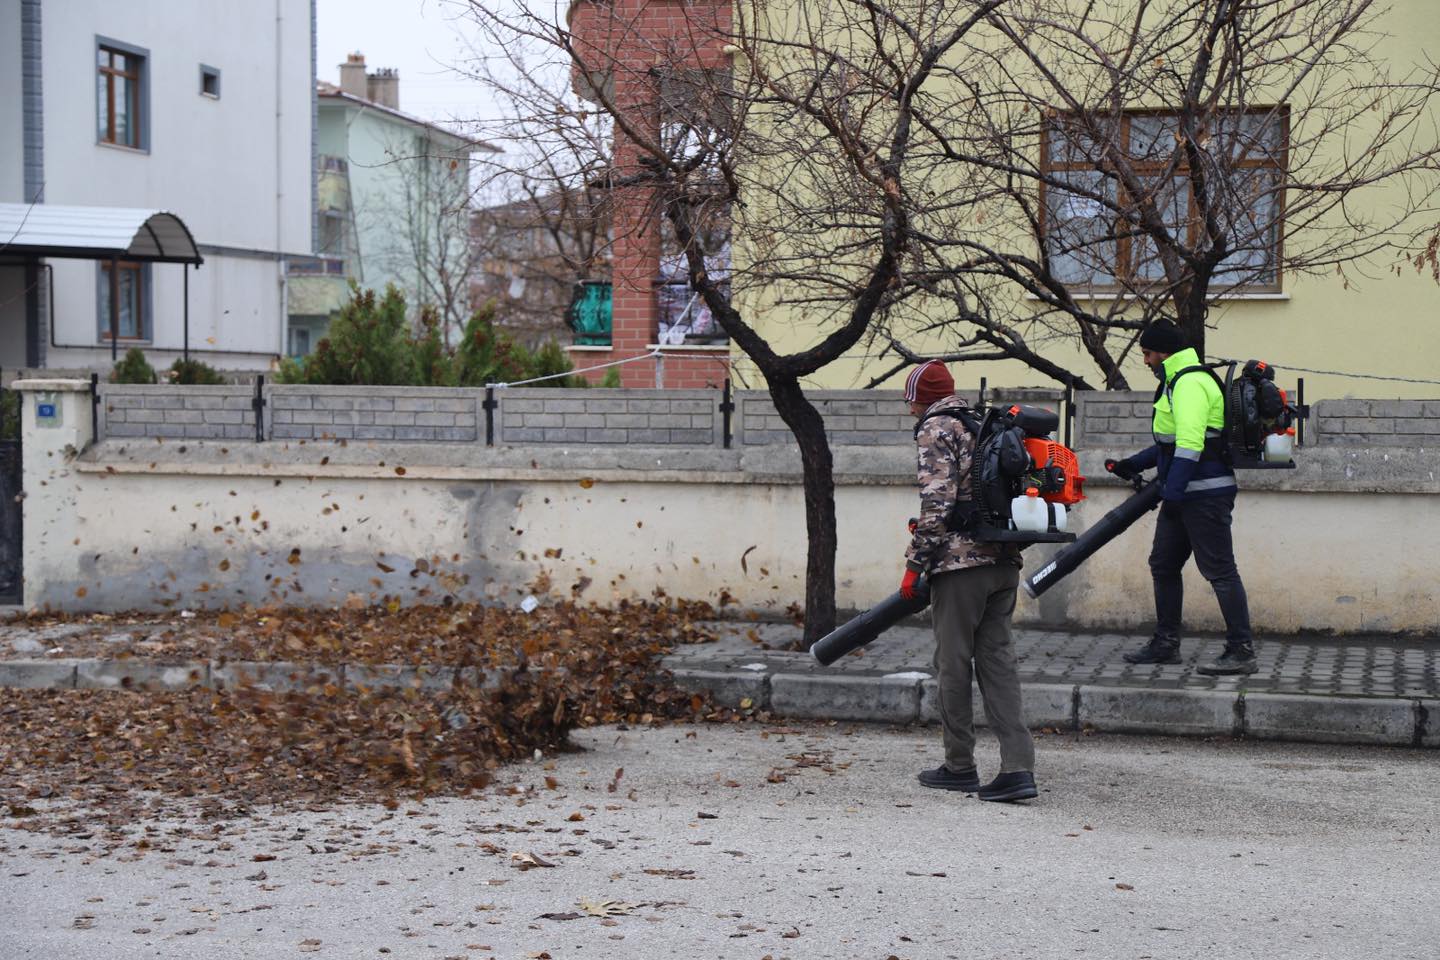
<point>590,314</point>
<point>314,267</point>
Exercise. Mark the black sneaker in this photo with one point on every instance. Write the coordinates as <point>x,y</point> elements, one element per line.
<point>1237,659</point>
<point>1156,651</point>
<point>943,778</point>
<point>1009,787</point>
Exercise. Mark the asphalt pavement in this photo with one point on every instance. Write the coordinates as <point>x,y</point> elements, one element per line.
<point>809,840</point>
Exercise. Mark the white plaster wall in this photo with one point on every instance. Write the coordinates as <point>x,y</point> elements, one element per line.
<point>146,535</point>
<point>1348,562</point>
<point>234,305</point>
<point>142,540</point>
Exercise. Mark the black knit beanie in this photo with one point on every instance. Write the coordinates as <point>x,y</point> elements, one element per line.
<point>1161,337</point>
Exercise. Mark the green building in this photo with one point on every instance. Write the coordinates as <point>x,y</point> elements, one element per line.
<point>392,206</point>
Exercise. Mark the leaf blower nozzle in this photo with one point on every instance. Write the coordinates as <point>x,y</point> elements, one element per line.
<point>867,626</point>
<point>1110,526</point>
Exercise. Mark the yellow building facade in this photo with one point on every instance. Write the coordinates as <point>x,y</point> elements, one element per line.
<point>1371,331</point>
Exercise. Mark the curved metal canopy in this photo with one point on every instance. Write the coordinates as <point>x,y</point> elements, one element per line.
<point>95,233</point>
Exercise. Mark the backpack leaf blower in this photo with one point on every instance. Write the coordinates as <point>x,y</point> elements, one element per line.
<point>1021,482</point>
<point>1259,417</point>
<point>859,631</point>
<point>1257,412</point>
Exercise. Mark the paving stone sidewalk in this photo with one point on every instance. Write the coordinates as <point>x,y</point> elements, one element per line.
<point>1376,690</point>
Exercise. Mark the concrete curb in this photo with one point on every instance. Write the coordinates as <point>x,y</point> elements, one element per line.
<point>1199,713</point>
<point>838,697</point>
<point>38,674</point>
<point>1043,704</point>
<point>139,675</point>
<point>909,698</point>
<point>1270,716</point>
<point>728,688</point>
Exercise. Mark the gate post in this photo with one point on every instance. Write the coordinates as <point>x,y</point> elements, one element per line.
<point>55,427</point>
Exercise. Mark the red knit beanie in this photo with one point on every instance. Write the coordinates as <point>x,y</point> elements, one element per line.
<point>929,382</point>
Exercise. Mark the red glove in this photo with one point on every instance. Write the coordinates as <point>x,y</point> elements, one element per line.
<point>907,584</point>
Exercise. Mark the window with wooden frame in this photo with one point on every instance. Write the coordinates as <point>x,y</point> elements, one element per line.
<point>1092,234</point>
<point>695,126</point>
<point>133,285</point>
<point>120,92</point>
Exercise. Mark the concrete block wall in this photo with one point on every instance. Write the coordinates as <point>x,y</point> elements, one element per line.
<point>862,417</point>
<point>636,417</point>
<point>1121,420</point>
<point>178,413</point>
<point>852,418</point>
<point>436,414</point>
<point>1376,423</point>
<point>1116,421</point>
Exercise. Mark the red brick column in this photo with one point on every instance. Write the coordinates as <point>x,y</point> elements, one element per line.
<point>624,41</point>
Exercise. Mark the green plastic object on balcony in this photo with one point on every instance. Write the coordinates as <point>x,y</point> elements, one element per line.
<point>589,313</point>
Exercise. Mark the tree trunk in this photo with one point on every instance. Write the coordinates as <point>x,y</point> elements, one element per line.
<point>818,466</point>
<point>1190,317</point>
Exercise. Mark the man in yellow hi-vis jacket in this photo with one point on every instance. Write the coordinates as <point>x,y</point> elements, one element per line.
<point>1197,499</point>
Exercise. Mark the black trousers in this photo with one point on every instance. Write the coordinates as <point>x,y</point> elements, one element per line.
<point>1200,527</point>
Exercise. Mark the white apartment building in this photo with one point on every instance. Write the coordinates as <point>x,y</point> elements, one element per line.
<point>204,110</point>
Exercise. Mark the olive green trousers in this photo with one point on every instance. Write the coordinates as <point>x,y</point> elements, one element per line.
<point>972,610</point>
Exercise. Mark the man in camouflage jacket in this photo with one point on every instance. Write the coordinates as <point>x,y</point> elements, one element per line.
<point>973,589</point>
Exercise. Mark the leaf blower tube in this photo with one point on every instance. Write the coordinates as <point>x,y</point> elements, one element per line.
<point>855,633</point>
<point>867,626</point>
<point>1110,526</point>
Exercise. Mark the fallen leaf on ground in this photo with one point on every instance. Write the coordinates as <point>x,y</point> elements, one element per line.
<point>607,908</point>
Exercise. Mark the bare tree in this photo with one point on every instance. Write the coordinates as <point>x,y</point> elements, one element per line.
<point>532,252</point>
<point>1170,152</point>
<point>425,217</point>
<point>542,220</point>
<point>1017,177</point>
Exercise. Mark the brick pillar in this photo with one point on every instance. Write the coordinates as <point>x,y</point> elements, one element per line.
<point>624,41</point>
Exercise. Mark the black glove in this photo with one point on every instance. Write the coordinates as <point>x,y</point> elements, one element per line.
<point>1124,469</point>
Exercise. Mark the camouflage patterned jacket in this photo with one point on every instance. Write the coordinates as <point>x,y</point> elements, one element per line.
<point>946,449</point>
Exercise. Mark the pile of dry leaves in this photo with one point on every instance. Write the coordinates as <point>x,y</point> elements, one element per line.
<point>119,754</point>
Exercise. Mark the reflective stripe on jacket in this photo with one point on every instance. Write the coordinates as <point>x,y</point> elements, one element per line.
<point>1188,427</point>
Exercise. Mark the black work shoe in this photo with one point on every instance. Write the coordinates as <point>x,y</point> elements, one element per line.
<point>943,778</point>
<point>1156,651</point>
<point>1236,659</point>
<point>1009,787</point>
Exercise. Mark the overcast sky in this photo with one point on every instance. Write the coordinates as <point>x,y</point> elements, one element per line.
<point>420,38</point>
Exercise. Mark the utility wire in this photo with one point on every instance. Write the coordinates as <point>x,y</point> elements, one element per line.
<point>1342,373</point>
<point>570,373</point>
<point>23,220</point>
